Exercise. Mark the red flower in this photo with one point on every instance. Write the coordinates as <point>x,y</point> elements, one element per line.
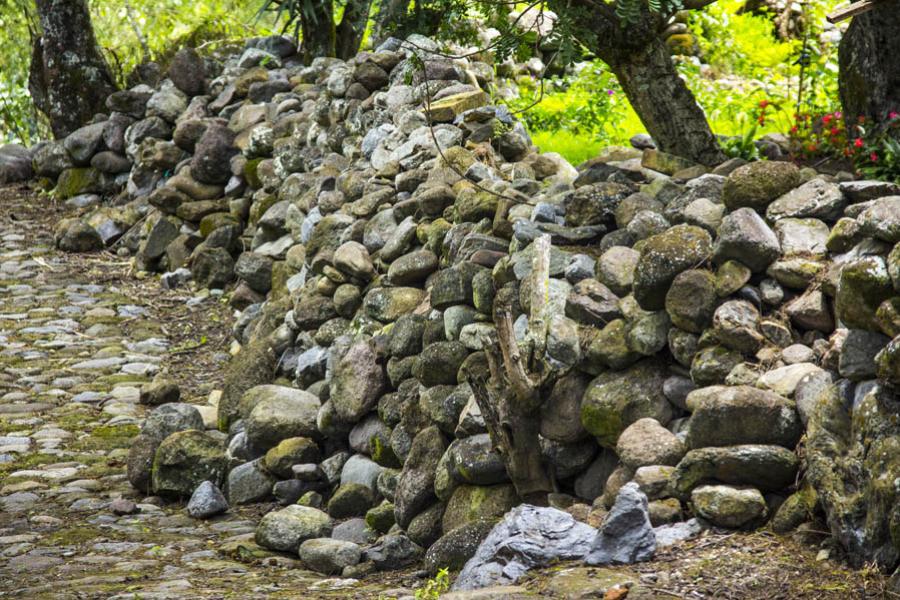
<point>858,143</point>
<point>811,147</point>
<point>795,129</point>
<point>827,119</point>
<point>762,120</point>
<point>873,157</point>
<point>835,131</point>
<point>763,103</point>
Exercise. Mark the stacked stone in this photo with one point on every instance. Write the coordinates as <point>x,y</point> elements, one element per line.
<point>701,320</point>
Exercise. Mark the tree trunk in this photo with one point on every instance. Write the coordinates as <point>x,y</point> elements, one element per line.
<point>318,30</point>
<point>665,105</point>
<point>352,27</point>
<point>391,14</point>
<point>869,69</point>
<point>641,61</point>
<point>510,400</point>
<point>69,79</point>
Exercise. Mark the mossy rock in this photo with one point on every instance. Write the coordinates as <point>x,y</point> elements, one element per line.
<point>663,257</point>
<point>75,181</point>
<point>186,459</point>
<point>213,221</point>
<point>381,518</point>
<point>470,503</point>
<point>615,400</point>
<point>757,184</point>
<point>863,286</point>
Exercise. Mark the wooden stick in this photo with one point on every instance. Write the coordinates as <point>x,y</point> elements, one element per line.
<point>852,10</point>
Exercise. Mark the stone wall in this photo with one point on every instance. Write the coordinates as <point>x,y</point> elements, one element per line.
<point>703,322</point>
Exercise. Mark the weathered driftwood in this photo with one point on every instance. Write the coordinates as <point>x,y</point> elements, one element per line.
<point>510,399</point>
<point>852,10</point>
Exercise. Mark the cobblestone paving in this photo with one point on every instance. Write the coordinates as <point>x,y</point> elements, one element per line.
<point>73,354</point>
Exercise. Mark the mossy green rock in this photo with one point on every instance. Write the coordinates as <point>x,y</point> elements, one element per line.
<point>470,503</point>
<point>351,500</point>
<point>213,221</point>
<point>290,452</point>
<point>769,468</point>
<point>888,363</point>
<point>853,464</point>
<point>456,547</point>
<point>691,301</point>
<point>381,518</point>
<point>73,182</point>
<point>711,365</point>
<point>663,257</point>
<point>799,508</point>
<point>863,286</point>
<point>615,400</point>
<point>387,304</point>
<point>730,507</point>
<point>757,184</point>
<point>186,459</point>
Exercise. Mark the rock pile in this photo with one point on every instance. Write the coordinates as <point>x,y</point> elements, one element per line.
<point>704,320</point>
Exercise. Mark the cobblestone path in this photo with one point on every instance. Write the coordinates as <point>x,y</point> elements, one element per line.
<point>77,338</point>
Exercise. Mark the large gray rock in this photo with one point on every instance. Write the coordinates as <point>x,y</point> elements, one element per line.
<point>415,488</point>
<point>526,538</point>
<point>745,237</point>
<point>212,155</point>
<point>358,381</point>
<point>626,535</point>
<point>814,199</point>
<point>282,413</point>
<point>166,419</point>
<point>734,415</point>
<point>249,482</point>
<point>328,556</point>
<point>727,506</point>
<point>15,163</point>
<point>287,528</point>
<point>769,468</point>
<point>207,501</point>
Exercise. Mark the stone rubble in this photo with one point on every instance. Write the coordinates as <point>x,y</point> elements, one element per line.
<point>705,321</point>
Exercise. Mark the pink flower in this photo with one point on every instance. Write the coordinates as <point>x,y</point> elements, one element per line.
<point>893,115</point>
<point>858,143</point>
<point>873,157</point>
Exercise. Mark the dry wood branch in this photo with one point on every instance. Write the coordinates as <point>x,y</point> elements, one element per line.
<point>852,10</point>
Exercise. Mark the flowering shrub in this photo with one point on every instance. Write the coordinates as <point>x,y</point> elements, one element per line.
<point>875,152</point>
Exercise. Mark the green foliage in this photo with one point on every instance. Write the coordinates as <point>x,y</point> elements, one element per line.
<point>578,114</point>
<point>128,32</point>
<point>877,153</point>
<point>434,587</point>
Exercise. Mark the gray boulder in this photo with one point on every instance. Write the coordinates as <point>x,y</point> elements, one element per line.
<point>207,501</point>
<point>526,538</point>
<point>626,535</point>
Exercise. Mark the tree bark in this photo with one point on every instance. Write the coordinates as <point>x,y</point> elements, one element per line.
<point>69,79</point>
<point>391,14</point>
<point>869,70</point>
<point>665,105</point>
<point>319,34</point>
<point>510,400</point>
<point>641,61</point>
<point>352,27</point>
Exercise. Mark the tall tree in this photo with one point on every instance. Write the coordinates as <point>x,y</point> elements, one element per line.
<point>869,69</point>
<point>69,79</point>
<point>352,27</point>
<point>627,37</point>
